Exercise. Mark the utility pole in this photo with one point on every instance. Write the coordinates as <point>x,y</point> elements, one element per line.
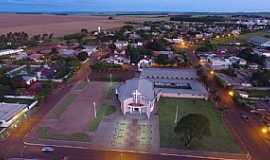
<point>95,111</point>
<point>176,114</point>
<point>111,79</point>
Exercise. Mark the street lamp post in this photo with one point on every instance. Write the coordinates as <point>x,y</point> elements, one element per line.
<point>95,111</point>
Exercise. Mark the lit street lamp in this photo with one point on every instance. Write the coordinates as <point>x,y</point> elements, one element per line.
<point>212,72</point>
<point>231,93</point>
<point>95,111</point>
<point>264,130</point>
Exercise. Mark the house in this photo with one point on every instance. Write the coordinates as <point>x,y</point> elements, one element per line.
<point>237,61</point>
<point>121,44</point>
<point>89,49</point>
<point>253,66</point>
<point>260,41</point>
<point>10,51</point>
<point>262,52</point>
<point>117,59</point>
<point>68,52</point>
<point>143,63</point>
<point>36,57</point>
<point>167,54</point>
<point>267,63</point>
<point>218,63</point>
<point>10,112</point>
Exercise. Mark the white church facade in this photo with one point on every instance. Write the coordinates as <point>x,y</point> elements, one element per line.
<point>137,96</point>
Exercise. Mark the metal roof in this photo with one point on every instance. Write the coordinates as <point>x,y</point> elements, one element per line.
<point>145,87</point>
<point>169,73</point>
<point>9,110</point>
<point>257,40</point>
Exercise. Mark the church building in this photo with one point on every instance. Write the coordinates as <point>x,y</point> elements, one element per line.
<point>137,96</point>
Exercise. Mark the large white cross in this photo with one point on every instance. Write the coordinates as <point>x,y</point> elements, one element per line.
<point>136,94</point>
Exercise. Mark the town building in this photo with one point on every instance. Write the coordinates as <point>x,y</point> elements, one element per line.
<point>139,95</point>
<point>10,51</point>
<point>260,41</point>
<point>217,63</point>
<point>10,112</point>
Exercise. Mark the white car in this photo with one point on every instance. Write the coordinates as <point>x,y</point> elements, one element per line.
<point>47,149</point>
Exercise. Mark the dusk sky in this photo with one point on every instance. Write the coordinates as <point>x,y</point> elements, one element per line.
<point>134,5</point>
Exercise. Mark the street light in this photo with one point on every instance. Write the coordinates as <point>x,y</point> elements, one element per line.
<point>212,72</point>
<point>264,130</point>
<point>231,93</point>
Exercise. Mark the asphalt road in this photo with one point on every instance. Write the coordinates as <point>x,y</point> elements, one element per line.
<point>31,152</point>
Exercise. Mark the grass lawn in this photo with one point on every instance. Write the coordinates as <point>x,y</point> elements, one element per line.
<point>44,132</point>
<point>220,140</point>
<point>62,106</point>
<point>223,40</point>
<point>259,93</point>
<point>106,108</point>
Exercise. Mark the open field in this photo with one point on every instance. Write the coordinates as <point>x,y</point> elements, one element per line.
<point>220,140</point>
<point>61,25</point>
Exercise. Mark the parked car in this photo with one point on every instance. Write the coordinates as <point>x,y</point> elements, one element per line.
<point>244,116</point>
<point>47,149</point>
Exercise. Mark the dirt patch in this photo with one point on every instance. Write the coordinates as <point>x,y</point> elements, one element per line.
<point>76,114</point>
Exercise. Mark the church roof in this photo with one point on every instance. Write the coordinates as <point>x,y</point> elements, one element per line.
<point>169,73</point>
<point>143,86</point>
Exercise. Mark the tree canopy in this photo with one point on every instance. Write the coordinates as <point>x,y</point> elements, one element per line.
<point>193,126</point>
<point>82,56</point>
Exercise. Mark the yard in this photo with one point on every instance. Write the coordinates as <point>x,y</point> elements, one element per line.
<point>220,140</point>
<point>106,108</point>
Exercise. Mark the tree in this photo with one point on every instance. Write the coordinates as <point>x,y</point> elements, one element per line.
<point>193,126</point>
<point>206,46</point>
<point>46,89</point>
<point>82,56</point>
<point>134,54</point>
<point>261,78</point>
<point>84,31</point>
<point>157,45</point>
<point>4,90</point>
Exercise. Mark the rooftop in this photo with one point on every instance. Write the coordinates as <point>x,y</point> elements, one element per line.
<point>145,87</point>
<point>169,73</point>
<point>9,110</point>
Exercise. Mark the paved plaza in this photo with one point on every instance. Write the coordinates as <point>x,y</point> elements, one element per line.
<point>128,133</point>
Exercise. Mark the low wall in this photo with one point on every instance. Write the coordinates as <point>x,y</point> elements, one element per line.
<point>20,97</point>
